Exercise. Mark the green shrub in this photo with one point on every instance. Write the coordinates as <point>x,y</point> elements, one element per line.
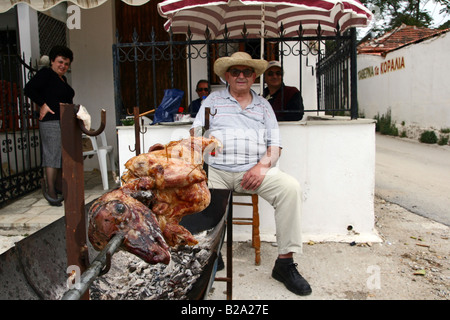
<point>428,137</point>
<point>443,140</point>
<point>385,125</point>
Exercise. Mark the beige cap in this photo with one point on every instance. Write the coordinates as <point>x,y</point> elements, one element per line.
<point>273,63</point>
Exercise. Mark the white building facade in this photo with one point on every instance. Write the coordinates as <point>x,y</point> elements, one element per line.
<point>410,81</point>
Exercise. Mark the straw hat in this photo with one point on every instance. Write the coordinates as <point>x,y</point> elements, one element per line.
<point>239,59</point>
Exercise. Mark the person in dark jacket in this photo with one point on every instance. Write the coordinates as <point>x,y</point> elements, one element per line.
<point>282,98</point>
<point>47,89</point>
<point>203,90</point>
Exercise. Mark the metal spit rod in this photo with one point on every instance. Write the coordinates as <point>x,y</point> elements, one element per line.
<point>96,268</point>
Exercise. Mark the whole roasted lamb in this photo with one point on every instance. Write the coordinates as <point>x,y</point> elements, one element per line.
<point>159,188</point>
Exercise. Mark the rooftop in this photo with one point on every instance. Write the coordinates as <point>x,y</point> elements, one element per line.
<point>397,38</point>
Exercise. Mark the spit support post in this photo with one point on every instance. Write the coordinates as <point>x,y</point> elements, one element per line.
<point>137,131</point>
<point>73,185</point>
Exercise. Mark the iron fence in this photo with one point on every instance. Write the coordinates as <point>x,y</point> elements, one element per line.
<point>335,70</point>
<point>20,158</point>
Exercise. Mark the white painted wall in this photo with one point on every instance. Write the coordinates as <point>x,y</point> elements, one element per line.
<point>418,93</point>
<point>92,68</point>
<point>334,161</point>
<point>27,21</point>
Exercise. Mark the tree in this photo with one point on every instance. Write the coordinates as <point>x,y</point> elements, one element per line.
<point>389,14</point>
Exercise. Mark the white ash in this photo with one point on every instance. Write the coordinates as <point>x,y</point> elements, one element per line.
<point>131,278</point>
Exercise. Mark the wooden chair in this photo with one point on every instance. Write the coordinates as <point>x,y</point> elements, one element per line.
<point>252,221</point>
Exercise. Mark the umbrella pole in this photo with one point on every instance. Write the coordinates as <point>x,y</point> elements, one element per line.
<point>263,17</point>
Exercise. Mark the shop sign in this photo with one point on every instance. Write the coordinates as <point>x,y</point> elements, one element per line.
<point>386,66</point>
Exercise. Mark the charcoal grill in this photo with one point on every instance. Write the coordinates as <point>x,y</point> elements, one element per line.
<point>37,266</point>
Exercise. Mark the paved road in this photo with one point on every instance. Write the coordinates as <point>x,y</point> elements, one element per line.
<point>415,176</point>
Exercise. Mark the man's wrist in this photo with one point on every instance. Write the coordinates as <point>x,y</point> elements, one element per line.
<point>265,163</point>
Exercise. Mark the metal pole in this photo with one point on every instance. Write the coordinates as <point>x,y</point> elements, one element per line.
<point>229,264</point>
<point>353,78</point>
<point>230,249</point>
<point>263,21</point>
<point>137,131</point>
<point>95,269</point>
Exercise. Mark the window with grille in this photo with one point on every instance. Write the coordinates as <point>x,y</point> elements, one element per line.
<point>52,32</point>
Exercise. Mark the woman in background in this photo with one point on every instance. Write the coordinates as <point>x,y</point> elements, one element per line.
<point>48,88</point>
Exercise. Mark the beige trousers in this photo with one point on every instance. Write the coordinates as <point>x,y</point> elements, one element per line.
<point>279,189</point>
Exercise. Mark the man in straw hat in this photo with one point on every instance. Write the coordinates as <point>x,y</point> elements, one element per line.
<point>247,127</point>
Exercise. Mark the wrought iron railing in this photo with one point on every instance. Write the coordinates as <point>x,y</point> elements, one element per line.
<point>335,70</point>
<point>336,77</point>
<point>20,155</point>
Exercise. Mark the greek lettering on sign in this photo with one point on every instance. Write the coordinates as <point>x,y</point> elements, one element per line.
<point>365,73</point>
<point>384,67</point>
<point>392,65</point>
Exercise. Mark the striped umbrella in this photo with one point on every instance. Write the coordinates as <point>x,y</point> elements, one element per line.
<point>44,5</point>
<point>262,17</point>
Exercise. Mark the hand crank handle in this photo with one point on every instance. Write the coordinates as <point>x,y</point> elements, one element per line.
<point>99,130</point>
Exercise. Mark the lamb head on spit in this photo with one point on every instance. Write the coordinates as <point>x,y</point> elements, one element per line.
<point>118,212</point>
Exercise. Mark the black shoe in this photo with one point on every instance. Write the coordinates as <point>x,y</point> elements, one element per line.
<point>52,201</point>
<point>287,273</point>
<point>55,203</point>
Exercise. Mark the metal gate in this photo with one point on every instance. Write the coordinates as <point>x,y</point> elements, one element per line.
<point>336,76</point>
<point>20,155</point>
<point>335,70</point>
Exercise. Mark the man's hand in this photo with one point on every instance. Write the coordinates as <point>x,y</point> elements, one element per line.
<point>253,178</point>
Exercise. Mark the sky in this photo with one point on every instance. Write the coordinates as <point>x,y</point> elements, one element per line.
<point>434,9</point>
<point>430,6</point>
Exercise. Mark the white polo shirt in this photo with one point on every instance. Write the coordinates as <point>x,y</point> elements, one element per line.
<point>245,134</point>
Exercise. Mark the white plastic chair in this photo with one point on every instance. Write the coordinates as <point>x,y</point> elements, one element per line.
<point>102,151</point>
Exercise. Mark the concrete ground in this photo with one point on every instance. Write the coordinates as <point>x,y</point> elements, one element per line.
<point>32,212</point>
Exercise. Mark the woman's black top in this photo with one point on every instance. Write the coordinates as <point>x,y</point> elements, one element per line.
<point>47,87</point>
